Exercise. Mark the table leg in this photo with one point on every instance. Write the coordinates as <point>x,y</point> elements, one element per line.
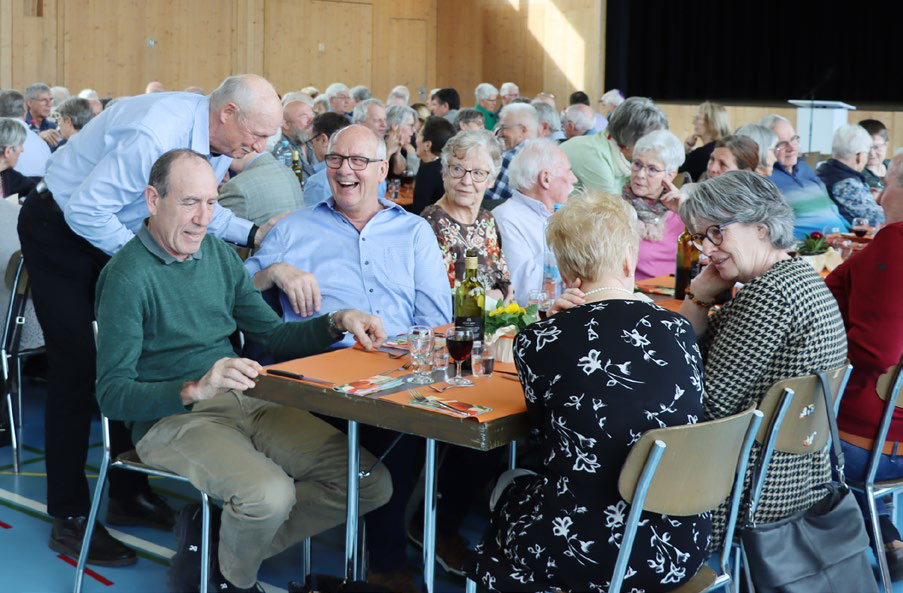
<point>429,517</point>
<point>512,455</point>
<point>351,519</point>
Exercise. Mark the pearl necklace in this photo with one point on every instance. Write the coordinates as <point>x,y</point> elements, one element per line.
<point>603,288</point>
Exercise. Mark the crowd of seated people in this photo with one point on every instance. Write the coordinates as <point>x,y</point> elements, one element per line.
<point>144,220</point>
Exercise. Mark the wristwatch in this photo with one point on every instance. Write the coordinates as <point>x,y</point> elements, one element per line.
<point>333,327</point>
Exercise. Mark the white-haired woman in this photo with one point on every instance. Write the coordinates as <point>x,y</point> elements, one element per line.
<point>656,157</point>
<point>487,97</point>
<point>783,323</point>
<point>842,175</point>
<point>12,139</point>
<point>594,377</point>
<point>766,141</point>
<point>470,163</point>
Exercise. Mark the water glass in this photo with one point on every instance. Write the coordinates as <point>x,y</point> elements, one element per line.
<point>420,345</point>
<point>440,354</point>
<point>485,366</point>
<point>540,298</point>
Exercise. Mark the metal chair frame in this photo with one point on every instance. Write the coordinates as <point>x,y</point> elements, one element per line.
<point>889,387</point>
<point>9,350</point>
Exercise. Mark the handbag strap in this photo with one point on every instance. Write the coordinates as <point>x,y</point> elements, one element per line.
<point>839,460</point>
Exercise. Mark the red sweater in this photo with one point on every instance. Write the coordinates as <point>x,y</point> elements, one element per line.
<point>869,290</point>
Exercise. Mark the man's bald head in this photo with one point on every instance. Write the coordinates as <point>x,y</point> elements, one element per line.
<point>245,110</point>
<point>154,87</point>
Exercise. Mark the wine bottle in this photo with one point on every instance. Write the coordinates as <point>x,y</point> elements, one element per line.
<point>687,264</point>
<point>296,167</point>
<point>470,298</point>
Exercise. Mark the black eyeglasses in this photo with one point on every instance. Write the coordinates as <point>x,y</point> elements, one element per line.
<point>714,233</point>
<point>357,163</point>
<point>478,175</point>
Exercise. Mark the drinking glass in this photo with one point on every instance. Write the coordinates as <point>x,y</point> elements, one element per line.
<point>835,233</point>
<point>861,226</point>
<point>459,342</point>
<point>440,354</point>
<point>540,298</point>
<point>420,345</point>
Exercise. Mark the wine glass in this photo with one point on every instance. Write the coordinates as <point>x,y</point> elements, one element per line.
<point>540,298</point>
<point>459,342</point>
<point>861,226</point>
<point>833,235</point>
<point>420,345</point>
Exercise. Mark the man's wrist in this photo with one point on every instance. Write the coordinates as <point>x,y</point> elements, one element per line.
<point>252,235</point>
<point>333,326</point>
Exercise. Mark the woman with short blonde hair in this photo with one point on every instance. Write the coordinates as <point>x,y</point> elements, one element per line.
<point>710,124</point>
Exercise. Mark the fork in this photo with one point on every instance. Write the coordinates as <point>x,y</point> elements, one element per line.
<point>446,388</point>
<point>403,367</point>
<point>422,398</point>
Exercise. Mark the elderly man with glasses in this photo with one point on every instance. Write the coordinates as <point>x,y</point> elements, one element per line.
<point>357,248</point>
<point>339,98</point>
<point>807,195</point>
<point>519,122</point>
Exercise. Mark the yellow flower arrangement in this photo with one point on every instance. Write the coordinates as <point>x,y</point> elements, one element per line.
<point>512,314</point>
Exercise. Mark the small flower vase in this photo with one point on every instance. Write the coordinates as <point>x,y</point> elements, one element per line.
<point>501,344</point>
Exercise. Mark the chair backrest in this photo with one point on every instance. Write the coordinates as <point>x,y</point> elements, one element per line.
<point>681,178</point>
<point>17,281</point>
<point>804,428</point>
<point>697,469</point>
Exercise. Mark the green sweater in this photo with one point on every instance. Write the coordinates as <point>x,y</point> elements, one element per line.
<point>489,118</point>
<point>163,322</point>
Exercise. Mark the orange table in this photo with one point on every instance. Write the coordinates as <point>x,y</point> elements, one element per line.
<point>506,423</point>
<point>661,290</point>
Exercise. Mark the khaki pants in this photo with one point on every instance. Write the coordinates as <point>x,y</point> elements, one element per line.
<point>281,473</point>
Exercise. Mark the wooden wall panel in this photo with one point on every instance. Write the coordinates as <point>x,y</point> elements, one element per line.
<point>459,48</point>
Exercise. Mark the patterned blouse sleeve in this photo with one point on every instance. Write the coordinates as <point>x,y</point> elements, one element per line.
<point>742,344</point>
<point>855,199</point>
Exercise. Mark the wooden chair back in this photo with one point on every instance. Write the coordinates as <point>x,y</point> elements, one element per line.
<point>697,469</point>
<point>681,178</point>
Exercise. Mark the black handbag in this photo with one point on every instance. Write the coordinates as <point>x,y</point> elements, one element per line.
<point>823,549</point>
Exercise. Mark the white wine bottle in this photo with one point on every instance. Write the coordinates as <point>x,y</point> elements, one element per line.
<point>470,298</point>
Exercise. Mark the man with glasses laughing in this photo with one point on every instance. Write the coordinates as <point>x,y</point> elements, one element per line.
<point>807,195</point>
<point>358,248</point>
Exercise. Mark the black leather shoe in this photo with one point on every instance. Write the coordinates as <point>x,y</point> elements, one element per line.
<point>66,538</point>
<point>146,509</point>
<point>184,574</point>
<point>221,584</point>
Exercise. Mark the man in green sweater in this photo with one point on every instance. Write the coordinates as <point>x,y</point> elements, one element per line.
<point>167,303</point>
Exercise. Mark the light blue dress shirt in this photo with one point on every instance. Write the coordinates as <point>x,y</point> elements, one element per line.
<point>99,180</point>
<point>392,268</point>
<point>317,188</point>
<point>522,224</point>
<point>35,154</point>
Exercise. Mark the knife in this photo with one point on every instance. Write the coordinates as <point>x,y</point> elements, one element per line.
<point>290,375</point>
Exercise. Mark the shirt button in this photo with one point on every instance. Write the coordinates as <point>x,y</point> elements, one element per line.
<point>371,290</point>
<point>363,238</point>
<point>367,263</point>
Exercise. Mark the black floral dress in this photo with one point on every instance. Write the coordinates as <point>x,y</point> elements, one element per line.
<point>595,377</point>
<point>456,237</point>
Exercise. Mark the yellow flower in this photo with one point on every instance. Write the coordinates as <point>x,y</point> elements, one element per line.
<point>492,313</point>
<point>512,309</point>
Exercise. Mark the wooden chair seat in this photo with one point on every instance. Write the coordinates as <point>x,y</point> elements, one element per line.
<point>701,581</point>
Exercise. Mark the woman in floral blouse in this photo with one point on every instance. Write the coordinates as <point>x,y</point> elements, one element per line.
<point>470,162</point>
<point>596,376</point>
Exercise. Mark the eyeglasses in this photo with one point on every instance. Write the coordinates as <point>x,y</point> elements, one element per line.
<point>650,170</point>
<point>714,233</point>
<point>877,147</point>
<point>794,142</point>
<point>357,163</point>
<point>499,128</point>
<point>478,175</point>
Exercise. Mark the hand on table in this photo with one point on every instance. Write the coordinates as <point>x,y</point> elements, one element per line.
<point>367,329</point>
<point>225,374</point>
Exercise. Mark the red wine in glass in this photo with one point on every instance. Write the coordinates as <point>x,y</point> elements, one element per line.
<point>860,232</point>
<point>459,342</point>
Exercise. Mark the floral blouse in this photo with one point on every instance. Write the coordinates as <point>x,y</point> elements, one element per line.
<point>595,378</point>
<point>456,237</point>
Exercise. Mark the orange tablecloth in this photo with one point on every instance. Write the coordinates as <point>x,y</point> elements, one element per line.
<point>350,364</point>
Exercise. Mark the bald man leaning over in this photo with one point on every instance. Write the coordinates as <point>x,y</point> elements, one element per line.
<point>89,205</point>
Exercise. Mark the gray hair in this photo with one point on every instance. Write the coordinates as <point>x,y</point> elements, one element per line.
<point>360,93</point>
<point>524,114</point>
<point>396,114</point>
<point>12,104</point>
<point>12,133</point>
<point>745,197</point>
<point>466,115</point>
<point>633,119</point>
<point>547,114</point>
<point>612,97</point>
<point>295,97</point>
<point>464,143</point>
<point>334,89</point>
<point>33,90</point>
<point>400,92</point>
<point>762,136</point>
<point>359,114</point>
<point>850,140</point>
<point>773,119</point>
<point>664,145</point>
<point>88,94</point>
<point>507,86</point>
<point>536,156</point>
<point>235,89</point>
<point>380,143</point>
<point>78,111</point>
<point>583,119</point>
<point>58,94</point>
<point>485,90</point>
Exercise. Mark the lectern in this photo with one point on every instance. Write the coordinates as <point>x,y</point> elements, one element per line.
<point>816,122</point>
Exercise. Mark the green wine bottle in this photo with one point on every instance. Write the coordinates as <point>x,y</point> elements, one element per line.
<point>296,167</point>
<point>470,298</point>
